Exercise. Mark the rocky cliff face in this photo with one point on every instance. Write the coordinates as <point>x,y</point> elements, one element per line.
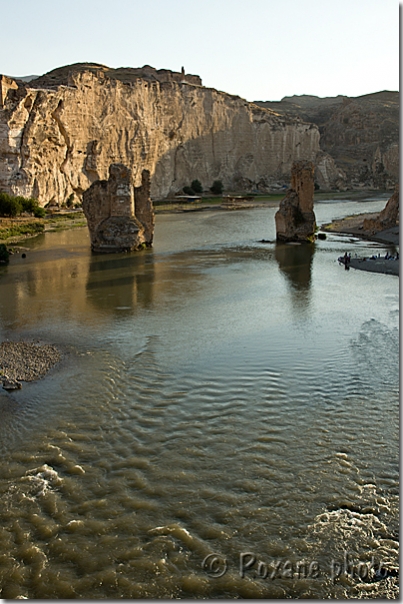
<point>360,134</point>
<point>60,133</point>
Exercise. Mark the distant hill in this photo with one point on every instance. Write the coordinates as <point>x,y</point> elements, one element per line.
<point>26,78</point>
<point>360,133</point>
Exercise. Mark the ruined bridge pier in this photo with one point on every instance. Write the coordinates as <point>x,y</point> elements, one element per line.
<point>120,217</point>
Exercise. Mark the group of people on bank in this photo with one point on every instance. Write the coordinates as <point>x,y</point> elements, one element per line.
<point>346,259</point>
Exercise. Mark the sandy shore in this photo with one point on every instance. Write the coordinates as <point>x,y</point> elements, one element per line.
<point>25,361</point>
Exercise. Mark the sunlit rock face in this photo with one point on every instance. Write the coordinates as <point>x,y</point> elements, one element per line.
<point>119,217</point>
<point>61,132</point>
<point>295,218</point>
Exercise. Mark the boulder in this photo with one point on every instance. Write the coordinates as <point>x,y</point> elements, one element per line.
<point>9,384</point>
<point>295,218</point>
<point>120,217</point>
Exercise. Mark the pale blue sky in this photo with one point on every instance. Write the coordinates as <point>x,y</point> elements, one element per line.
<point>258,49</point>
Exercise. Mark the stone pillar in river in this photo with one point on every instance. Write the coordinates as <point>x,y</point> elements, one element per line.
<point>295,218</point>
<point>120,218</point>
<point>144,210</point>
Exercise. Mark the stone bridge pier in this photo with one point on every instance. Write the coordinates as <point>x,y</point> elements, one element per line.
<point>120,217</point>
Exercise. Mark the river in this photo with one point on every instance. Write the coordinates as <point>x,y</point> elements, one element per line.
<point>224,423</point>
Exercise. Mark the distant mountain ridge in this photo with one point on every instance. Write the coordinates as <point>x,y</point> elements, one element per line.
<point>361,133</point>
<point>27,78</point>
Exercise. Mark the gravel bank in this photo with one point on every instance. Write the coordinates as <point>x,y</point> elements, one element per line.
<point>26,361</point>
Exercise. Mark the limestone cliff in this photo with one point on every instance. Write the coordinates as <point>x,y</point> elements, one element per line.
<point>361,135</point>
<point>59,133</point>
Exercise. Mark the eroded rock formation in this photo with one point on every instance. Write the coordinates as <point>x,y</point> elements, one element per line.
<point>388,218</point>
<point>120,218</point>
<point>295,218</point>
<point>59,133</point>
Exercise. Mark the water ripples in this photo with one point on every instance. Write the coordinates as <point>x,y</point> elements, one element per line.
<point>254,421</point>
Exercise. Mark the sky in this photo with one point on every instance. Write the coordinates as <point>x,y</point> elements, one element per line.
<point>257,49</point>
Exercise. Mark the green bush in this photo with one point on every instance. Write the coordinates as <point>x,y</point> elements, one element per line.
<point>197,186</point>
<point>217,187</point>
<point>39,212</point>
<point>9,206</point>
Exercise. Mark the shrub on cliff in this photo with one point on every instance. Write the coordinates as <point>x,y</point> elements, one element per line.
<point>217,187</point>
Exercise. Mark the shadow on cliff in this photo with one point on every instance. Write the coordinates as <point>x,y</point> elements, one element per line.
<point>295,263</point>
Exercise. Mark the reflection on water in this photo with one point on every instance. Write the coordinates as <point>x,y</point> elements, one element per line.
<point>121,283</point>
<point>295,262</point>
<point>218,396</point>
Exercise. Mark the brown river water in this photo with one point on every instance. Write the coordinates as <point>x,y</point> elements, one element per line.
<point>224,423</point>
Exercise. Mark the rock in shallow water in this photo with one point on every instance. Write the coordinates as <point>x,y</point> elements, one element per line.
<point>11,384</point>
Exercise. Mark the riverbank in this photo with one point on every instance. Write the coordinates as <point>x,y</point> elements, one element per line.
<point>354,225</point>
<point>17,230</point>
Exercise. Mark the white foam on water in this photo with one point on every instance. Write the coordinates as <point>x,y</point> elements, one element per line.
<point>43,479</point>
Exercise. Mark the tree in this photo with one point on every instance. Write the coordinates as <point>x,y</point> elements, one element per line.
<point>9,205</point>
<point>217,187</point>
<point>197,186</point>
<point>13,206</point>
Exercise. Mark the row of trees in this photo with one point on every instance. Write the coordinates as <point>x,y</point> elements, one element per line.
<point>13,206</point>
<point>196,188</point>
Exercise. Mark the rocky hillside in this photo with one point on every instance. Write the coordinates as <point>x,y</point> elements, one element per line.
<point>61,132</point>
<point>361,134</point>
